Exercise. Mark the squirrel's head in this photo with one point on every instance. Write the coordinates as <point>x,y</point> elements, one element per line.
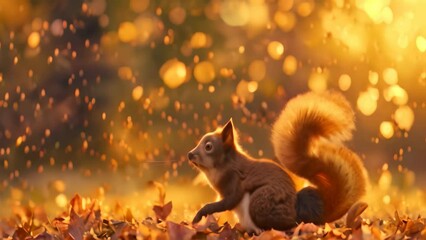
<point>213,147</point>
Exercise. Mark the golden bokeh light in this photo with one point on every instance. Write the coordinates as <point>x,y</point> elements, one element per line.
<point>305,8</point>
<point>373,77</point>
<point>285,20</point>
<point>177,15</point>
<point>127,32</point>
<point>33,40</point>
<point>396,94</point>
<point>204,72</point>
<point>257,70</point>
<point>173,72</point>
<point>367,103</point>
<point>235,12</point>
<point>345,82</point>
<point>404,117</point>
<point>285,5</point>
<point>386,129</point>
<point>390,76</point>
<point>421,43</point>
<point>137,93</point>
<point>317,81</point>
<point>275,49</point>
<point>61,200</point>
<point>125,73</point>
<point>243,91</point>
<point>139,6</point>
<point>290,65</point>
<point>199,40</point>
<point>385,180</point>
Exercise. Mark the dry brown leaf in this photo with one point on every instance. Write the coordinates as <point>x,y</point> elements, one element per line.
<point>76,226</point>
<point>352,219</point>
<point>179,231</point>
<point>162,212</point>
<point>271,235</point>
<point>208,224</point>
<point>161,191</point>
<point>77,203</point>
<point>414,228</point>
<point>21,233</point>
<point>228,233</point>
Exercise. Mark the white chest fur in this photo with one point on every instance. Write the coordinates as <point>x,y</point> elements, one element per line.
<point>243,213</point>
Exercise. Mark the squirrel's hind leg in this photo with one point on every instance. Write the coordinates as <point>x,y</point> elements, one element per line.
<point>272,207</point>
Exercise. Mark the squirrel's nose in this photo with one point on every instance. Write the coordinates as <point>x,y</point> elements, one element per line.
<point>190,155</point>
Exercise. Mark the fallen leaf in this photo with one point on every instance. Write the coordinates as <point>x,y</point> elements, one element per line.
<point>21,233</point>
<point>228,233</point>
<point>271,235</point>
<point>179,232</point>
<point>162,212</point>
<point>76,226</point>
<point>77,203</point>
<point>352,219</point>
<point>208,224</point>
<point>413,228</point>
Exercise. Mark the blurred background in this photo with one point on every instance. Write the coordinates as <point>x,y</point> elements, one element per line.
<point>100,97</point>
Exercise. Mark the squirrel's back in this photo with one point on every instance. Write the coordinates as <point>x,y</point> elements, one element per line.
<point>308,139</point>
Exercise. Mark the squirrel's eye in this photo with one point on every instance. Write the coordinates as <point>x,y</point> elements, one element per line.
<point>208,147</point>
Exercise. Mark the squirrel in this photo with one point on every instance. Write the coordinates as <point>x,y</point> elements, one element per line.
<point>308,141</point>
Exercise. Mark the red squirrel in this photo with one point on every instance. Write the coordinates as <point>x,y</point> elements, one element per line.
<point>308,141</point>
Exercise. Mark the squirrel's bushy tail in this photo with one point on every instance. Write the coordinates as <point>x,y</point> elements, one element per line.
<point>308,139</point>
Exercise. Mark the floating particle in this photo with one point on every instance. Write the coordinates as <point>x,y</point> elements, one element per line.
<point>390,76</point>
<point>146,27</point>
<point>96,7</point>
<point>61,200</point>
<point>345,82</point>
<point>199,40</point>
<point>257,70</point>
<point>396,94</point>
<point>235,12</point>
<point>125,73</point>
<point>137,93</point>
<point>385,180</point>
<point>275,50</point>
<point>139,6</point>
<point>367,103</point>
<point>259,14</point>
<point>387,15</point>
<point>56,28</point>
<point>305,8</point>
<point>386,129</point>
<point>173,72</point>
<point>421,43</point>
<point>285,20</point>
<point>252,86</point>
<point>243,91</point>
<point>177,15</point>
<point>317,81</point>
<point>127,32</point>
<point>285,5</point>
<point>373,77</point>
<point>386,199</point>
<point>290,65</point>
<point>204,72</point>
<point>33,40</point>
<point>19,141</point>
<point>404,117</point>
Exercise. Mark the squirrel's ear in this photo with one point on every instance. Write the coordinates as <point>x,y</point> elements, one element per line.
<point>228,135</point>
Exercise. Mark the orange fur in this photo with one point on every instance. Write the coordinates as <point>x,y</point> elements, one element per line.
<point>308,139</point>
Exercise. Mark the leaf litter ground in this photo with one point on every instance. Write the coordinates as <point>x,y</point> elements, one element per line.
<point>84,220</point>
